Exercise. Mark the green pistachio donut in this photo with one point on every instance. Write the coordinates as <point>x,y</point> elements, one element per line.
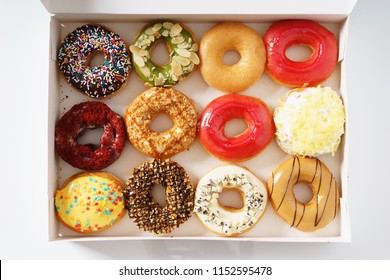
<point>182,47</point>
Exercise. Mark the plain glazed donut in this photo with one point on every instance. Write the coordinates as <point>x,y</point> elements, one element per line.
<point>320,210</point>
<point>282,35</point>
<point>225,37</point>
<point>90,202</point>
<point>90,115</point>
<point>229,221</point>
<point>252,141</point>
<point>76,51</point>
<point>149,104</point>
<point>148,214</point>
<point>182,48</point>
<point>310,121</point>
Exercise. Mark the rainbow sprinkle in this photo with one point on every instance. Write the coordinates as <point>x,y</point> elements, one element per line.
<point>87,204</point>
<point>74,55</point>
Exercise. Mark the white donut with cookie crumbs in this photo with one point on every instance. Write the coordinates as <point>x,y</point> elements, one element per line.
<point>225,220</point>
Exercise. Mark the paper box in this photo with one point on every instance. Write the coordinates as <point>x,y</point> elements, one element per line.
<point>126,18</point>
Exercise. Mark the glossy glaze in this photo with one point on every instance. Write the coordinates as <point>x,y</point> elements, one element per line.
<point>282,35</point>
<point>90,202</point>
<point>253,140</point>
<point>320,210</point>
<point>224,37</point>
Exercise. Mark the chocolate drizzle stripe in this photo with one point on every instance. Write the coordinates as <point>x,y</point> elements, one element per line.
<point>295,201</point>
<point>273,183</point>
<point>299,170</point>
<point>326,201</point>
<point>318,190</point>
<point>295,213</point>
<point>288,184</point>
<point>303,213</point>
<point>315,172</point>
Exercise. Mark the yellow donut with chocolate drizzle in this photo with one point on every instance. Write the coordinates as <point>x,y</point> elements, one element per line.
<point>90,202</point>
<point>320,210</point>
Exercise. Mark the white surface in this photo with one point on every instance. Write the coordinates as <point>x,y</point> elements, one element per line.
<point>23,210</point>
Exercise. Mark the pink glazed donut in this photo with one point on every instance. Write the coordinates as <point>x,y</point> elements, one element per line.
<point>252,141</point>
<point>282,35</point>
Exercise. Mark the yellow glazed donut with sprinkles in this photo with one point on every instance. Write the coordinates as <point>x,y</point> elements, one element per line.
<point>182,47</point>
<point>90,202</point>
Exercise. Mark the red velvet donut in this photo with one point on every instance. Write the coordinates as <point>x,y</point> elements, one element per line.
<point>253,140</point>
<point>282,35</point>
<point>92,114</point>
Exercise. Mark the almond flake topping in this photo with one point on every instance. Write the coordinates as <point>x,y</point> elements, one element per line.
<point>138,60</point>
<point>194,58</point>
<point>168,25</point>
<point>175,30</point>
<point>176,68</point>
<point>183,52</point>
<point>182,60</point>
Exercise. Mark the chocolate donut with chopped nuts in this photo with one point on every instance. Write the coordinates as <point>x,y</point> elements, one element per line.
<point>148,214</point>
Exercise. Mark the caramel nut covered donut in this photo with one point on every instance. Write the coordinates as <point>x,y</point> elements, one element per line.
<point>225,37</point>
<point>141,112</point>
<point>320,210</point>
<point>148,214</point>
<point>229,221</point>
<point>282,35</point>
<point>90,202</point>
<point>76,51</point>
<point>90,115</point>
<point>182,48</point>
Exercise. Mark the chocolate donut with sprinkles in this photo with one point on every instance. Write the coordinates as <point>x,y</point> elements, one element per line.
<point>180,193</point>
<point>78,48</point>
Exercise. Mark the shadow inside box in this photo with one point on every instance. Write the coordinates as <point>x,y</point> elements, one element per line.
<point>215,249</point>
<point>169,249</point>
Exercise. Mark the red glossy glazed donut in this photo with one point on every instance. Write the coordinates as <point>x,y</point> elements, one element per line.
<point>90,115</point>
<point>282,35</point>
<point>253,140</point>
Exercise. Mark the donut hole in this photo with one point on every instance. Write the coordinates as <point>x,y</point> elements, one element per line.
<point>235,127</point>
<point>159,53</point>
<point>231,57</point>
<point>161,123</point>
<point>97,58</point>
<point>303,193</point>
<point>158,195</point>
<point>299,53</point>
<point>230,199</point>
<point>91,137</point>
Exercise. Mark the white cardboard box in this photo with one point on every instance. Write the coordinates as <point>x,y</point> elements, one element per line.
<point>126,18</point>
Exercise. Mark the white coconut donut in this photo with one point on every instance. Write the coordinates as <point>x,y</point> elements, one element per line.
<point>224,220</point>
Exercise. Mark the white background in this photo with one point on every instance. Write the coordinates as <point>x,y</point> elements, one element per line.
<point>23,208</point>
